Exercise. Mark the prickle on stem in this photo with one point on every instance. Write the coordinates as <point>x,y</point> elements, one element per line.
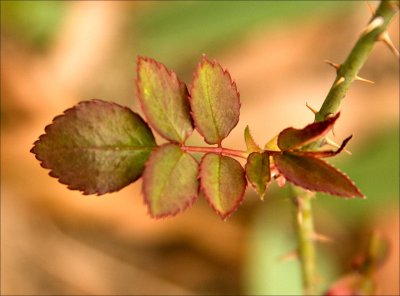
<point>385,38</point>
<point>374,24</point>
<point>311,109</point>
<point>334,65</point>
<point>339,81</point>
<point>358,78</point>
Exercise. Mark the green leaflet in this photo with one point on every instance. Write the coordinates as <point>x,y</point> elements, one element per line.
<point>95,147</point>
<point>258,172</point>
<point>164,100</point>
<point>214,101</point>
<point>170,182</point>
<point>292,138</point>
<point>223,181</point>
<point>314,174</point>
<point>250,143</point>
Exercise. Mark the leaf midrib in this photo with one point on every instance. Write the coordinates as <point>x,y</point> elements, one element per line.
<point>167,114</point>
<point>107,148</point>
<point>207,88</point>
<point>219,181</point>
<point>169,175</point>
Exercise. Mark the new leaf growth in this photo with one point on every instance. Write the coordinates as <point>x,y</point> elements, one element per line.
<point>99,147</point>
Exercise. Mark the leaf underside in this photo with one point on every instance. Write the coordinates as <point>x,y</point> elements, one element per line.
<point>258,172</point>
<point>164,100</point>
<point>95,147</point>
<point>292,138</point>
<point>214,101</point>
<point>314,174</point>
<point>223,182</point>
<point>170,182</point>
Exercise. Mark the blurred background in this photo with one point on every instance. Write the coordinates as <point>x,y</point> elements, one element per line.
<point>55,54</point>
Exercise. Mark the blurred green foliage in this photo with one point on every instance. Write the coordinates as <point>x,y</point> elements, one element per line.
<point>174,31</point>
<point>32,22</point>
<point>179,32</point>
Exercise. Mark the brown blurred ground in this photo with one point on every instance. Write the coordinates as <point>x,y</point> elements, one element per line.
<point>55,241</point>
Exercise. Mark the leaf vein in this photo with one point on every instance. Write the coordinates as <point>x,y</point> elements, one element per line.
<point>170,173</point>
<point>160,105</point>
<point>207,87</point>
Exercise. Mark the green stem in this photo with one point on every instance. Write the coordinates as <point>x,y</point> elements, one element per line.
<point>305,235</point>
<point>356,59</point>
<point>349,71</point>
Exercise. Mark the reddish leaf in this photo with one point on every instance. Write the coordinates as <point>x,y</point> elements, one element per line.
<point>258,171</point>
<point>314,174</point>
<point>223,181</point>
<point>292,138</point>
<point>170,182</point>
<point>95,147</point>
<point>164,100</point>
<point>215,101</point>
<point>326,153</point>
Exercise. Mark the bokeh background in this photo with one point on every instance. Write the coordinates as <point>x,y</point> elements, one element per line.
<point>55,54</point>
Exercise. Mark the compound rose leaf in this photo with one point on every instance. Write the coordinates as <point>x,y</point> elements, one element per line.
<point>95,147</point>
<point>315,174</point>
<point>258,171</point>
<point>223,182</point>
<point>164,100</point>
<point>250,143</point>
<point>170,181</point>
<point>214,100</point>
<point>292,138</point>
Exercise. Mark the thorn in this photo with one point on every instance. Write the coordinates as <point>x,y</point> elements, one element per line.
<point>289,256</point>
<point>371,9</point>
<point>322,238</point>
<point>386,39</point>
<point>358,78</point>
<point>334,65</point>
<point>375,23</point>
<point>340,80</point>
<point>311,109</point>
<point>334,144</point>
<point>329,115</point>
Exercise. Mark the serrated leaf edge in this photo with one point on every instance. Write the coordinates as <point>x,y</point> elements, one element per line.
<point>329,127</point>
<point>214,64</point>
<point>360,194</point>
<point>146,201</point>
<point>238,202</point>
<point>43,163</point>
<point>251,145</point>
<point>175,77</point>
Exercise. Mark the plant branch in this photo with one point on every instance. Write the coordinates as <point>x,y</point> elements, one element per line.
<point>305,234</point>
<point>357,57</point>
<point>346,74</point>
<point>217,150</point>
